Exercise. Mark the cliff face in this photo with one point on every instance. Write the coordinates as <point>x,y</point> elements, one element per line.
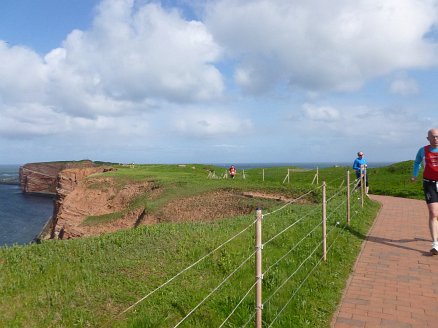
<point>41,177</point>
<point>80,195</point>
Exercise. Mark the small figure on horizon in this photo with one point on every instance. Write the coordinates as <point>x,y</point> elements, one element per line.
<point>359,166</point>
<point>232,171</point>
<point>429,154</point>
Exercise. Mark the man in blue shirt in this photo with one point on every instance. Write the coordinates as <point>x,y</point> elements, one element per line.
<point>359,166</point>
<point>430,182</point>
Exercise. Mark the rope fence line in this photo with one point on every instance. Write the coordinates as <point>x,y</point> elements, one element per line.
<point>186,269</point>
<point>274,175</point>
<point>214,290</point>
<point>305,279</point>
<point>335,194</point>
<point>339,191</point>
<point>290,226</point>
<point>292,201</point>
<point>293,248</point>
<point>238,304</point>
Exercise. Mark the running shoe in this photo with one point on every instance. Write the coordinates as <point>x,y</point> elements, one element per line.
<point>434,251</point>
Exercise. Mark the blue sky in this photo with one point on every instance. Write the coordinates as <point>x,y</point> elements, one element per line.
<point>188,81</point>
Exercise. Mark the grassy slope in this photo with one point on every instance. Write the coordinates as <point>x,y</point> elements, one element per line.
<point>394,180</point>
<point>89,282</point>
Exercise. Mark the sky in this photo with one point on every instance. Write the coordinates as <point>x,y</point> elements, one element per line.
<point>217,81</point>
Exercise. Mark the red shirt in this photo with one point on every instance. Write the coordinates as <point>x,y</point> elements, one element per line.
<point>431,164</point>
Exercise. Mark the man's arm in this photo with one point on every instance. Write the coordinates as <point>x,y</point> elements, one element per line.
<point>417,164</point>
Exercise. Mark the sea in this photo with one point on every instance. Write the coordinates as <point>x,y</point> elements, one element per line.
<point>22,216</point>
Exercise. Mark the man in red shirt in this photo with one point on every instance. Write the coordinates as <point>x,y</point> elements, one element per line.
<point>429,154</point>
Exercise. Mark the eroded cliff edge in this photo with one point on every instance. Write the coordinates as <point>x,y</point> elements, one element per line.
<point>42,177</point>
<point>74,198</point>
<point>90,200</point>
<point>82,194</point>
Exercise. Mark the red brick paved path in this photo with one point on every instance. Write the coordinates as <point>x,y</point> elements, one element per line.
<point>395,280</point>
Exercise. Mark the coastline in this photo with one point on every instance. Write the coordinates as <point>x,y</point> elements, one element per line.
<point>45,231</point>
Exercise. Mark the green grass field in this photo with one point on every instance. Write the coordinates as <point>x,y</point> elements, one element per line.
<point>93,282</point>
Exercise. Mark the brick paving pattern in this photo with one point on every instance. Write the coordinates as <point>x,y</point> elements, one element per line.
<point>395,279</point>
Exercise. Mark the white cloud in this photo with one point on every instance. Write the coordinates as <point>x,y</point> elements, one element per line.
<point>134,54</point>
<point>202,123</point>
<point>29,120</point>
<point>323,113</point>
<point>132,57</point>
<point>144,78</point>
<point>320,45</point>
<point>23,75</point>
<point>362,124</point>
<point>404,86</point>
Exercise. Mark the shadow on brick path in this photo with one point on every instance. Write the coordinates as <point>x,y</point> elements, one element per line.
<point>395,279</point>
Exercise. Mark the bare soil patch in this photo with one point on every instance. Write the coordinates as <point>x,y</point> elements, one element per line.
<point>99,196</point>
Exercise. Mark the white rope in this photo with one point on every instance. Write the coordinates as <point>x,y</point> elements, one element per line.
<point>305,279</point>
<point>299,267</point>
<point>292,201</point>
<point>290,226</point>
<point>336,194</point>
<point>334,211</point>
<point>214,290</point>
<point>250,318</point>
<point>296,291</point>
<point>293,248</point>
<point>238,304</point>
<point>186,269</point>
<point>334,180</point>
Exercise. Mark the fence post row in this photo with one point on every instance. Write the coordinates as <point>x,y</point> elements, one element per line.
<point>259,245</point>
<point>324,222</point>
<point>348,198</point>
<point>259,275</point>
<point>362,184</point>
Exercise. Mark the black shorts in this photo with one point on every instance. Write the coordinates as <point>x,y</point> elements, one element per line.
<point>430,188</point>
<point>366,178</point>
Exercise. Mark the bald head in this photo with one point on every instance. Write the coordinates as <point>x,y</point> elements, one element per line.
<point>432,136</point>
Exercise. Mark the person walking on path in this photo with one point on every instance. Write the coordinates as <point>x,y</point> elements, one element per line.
<point>429,154</point>
<point>359,166</point>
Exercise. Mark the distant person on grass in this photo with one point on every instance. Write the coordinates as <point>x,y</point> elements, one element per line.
<point>429,154</point>
<point>232,171</point>
<point>359,166</point>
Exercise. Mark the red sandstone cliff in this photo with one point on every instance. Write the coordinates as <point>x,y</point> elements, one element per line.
<point>41,177</point>
<point>81,194</point>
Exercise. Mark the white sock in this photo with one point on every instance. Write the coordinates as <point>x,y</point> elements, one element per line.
<point>435,245</point>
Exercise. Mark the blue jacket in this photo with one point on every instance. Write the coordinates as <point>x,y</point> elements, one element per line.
<point>358,162</point>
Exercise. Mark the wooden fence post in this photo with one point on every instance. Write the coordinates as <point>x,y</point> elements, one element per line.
<point>348,198</point>
<point>259,275</point>
<point>362,184</point>
<point>365,177</point>
<point>324,222</point>
<point>317,176</point>
<point>286,177</point>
